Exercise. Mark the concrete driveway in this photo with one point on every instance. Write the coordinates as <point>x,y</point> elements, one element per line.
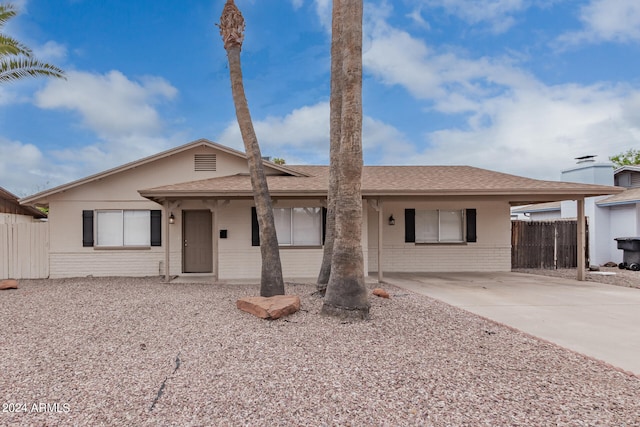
<point>601,321</point>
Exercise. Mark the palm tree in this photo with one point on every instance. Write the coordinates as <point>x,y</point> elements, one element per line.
<point>16,59</point>
<point>346,294</point>
<point>232,32</point>
<point>334,147</point>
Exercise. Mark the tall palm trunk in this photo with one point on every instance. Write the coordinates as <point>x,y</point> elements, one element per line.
<point>232,31</point>
<point>346,294</point>
<point>335,122</point>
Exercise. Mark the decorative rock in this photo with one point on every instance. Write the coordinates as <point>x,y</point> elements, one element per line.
<point>270,308</point>
<point>381,293</point>
<point>610,264</point>
<point>9,284</point>
<point>594,267</point>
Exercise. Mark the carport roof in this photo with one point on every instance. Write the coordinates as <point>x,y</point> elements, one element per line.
<point>392,181</point>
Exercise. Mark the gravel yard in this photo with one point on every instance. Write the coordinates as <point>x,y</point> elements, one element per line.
<point>137,351</point>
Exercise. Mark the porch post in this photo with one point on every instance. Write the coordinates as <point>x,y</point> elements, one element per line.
<point>581,240</point>
<point>380,228</point>
<point>167,241</point>
<point>216,232</point>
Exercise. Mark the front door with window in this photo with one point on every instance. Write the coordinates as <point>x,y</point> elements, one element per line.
<point>197,255</point>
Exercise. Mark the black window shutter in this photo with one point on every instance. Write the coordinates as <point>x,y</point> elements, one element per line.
<point>410,225</point>
<point>324,224</point>
<point>87,228</point>
<point>156,228</point>
<point>471,225</point>
<point>255,231</point>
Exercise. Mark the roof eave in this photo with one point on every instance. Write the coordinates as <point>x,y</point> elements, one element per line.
<point>173,195</point>
<point>530,195</point>
<point>41,197</point>
<point>618,203</point>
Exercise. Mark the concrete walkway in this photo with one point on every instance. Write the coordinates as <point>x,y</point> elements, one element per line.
<point>601,321</point>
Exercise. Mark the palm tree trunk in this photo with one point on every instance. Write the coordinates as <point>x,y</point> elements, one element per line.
<point>346,294</point>
<point>335,122</point>
<point>231,29</point>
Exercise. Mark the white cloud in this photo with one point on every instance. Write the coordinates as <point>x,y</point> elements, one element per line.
<point>8,97</point>
<point>51,52</point>
<point>496,13</point>
<point>513,122</point>
<point>416,17</point>
<point>297,4</point>
<point>110,105</point>
<point>537,133</point>
<point>323,10</point>
<point>122,113</point>
<point>607,20</point>
<point>35,171</point>
<point>452,82</point>
<point>304,134</point>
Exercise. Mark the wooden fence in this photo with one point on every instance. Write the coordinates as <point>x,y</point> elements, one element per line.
<point>24,250</point>
<point>545,244</point>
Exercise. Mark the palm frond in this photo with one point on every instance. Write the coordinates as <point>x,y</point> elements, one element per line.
<point>11,46</point>
<point>16,59</point>
<point>7,11</point>
<point>15,69</point>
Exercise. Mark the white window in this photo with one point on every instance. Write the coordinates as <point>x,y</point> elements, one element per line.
<point>123,228</point>
<point>298,226</point>
<point>439,226</point>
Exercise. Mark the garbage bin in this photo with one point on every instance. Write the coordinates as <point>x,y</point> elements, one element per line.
<point>631,254</point>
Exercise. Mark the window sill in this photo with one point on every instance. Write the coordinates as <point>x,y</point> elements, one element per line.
<point>122,248</point>
<point>300,247</point>
<point>440,243</point>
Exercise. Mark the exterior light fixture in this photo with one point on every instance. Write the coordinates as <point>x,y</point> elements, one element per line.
<point>172,219</point>
<point>392,220</point>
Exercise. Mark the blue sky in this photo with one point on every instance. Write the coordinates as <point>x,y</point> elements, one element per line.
<point>516,86</point>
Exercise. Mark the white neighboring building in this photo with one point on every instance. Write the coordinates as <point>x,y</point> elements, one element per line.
<point>589,171</point>
<point>623,210</point>
<point>538,212</point>
<point>609,217</point>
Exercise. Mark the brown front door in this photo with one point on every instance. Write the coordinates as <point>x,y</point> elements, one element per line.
<point>197,251</point>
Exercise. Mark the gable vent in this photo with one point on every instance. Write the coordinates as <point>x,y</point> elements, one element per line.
<point>205,162</point>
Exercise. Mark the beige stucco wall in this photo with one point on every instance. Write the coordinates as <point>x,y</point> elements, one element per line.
<point>68,258</point>
<point>239,260</point>
<point>492,251</point>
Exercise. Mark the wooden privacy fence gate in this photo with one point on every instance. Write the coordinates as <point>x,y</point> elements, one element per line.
<point>545,244</point>
<point>24,250</point>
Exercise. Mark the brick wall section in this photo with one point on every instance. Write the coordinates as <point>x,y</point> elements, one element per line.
<point>296,263</point>
<point>442,258</point>
<point>107,263</point>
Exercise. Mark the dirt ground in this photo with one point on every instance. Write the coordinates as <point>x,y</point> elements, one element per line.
<point>608,275</point>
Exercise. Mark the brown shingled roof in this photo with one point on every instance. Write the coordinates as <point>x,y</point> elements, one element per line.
<point>9,204</point>
<point>631,195</point>
<point>392,181</point>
